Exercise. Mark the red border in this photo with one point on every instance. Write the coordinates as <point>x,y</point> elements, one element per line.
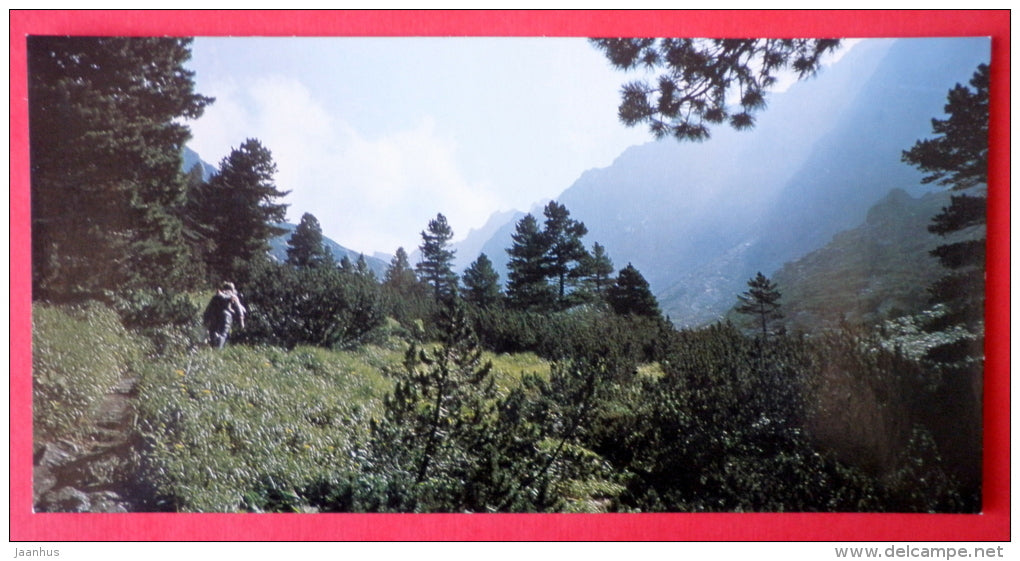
<point>992,525</point>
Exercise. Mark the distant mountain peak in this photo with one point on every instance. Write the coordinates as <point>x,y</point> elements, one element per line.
<point>191,159</point>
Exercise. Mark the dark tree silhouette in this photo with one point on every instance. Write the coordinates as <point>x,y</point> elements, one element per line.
<point>630,294</point>
<point>305,246</point>
<point>527,287</point>
<point>761,301</point>
<point>481,282</point>
<point>106,120</point>
<point>239,206</point>
<point>697,78</point>
<point>436,266</point>
<point>957,157</point>
<point>399,274</point>
<point>565,249</point>
<point>596,270</point>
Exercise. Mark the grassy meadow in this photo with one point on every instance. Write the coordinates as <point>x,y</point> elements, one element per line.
<point>221,430</point>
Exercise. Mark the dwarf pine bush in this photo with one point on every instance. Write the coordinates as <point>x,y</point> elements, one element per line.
<point>320,306</point>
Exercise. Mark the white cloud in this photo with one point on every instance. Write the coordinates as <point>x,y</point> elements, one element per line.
<point>399,182</point>
<point>369,194</point>
<point>215,132</point>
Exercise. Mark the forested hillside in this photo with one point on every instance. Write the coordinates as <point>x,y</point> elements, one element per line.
<point>869,273</point>
<point>557,383</point>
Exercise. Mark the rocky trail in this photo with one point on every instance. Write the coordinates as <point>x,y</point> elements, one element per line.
<point>95,473</point>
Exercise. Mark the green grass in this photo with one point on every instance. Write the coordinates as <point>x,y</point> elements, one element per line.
<point>220,426</point>
<point>222,430</point>
<point>79,354</point>
<point>249,428</point>
<point>223,427</point>
<point>509,368</point>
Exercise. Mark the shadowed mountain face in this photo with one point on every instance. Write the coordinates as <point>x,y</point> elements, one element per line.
<point>192,159</point>
<point>880,269</point>
<point>699,219</point>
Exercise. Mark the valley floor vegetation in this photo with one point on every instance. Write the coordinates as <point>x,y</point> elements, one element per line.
<point>562,388</point>
<point>459,407</point>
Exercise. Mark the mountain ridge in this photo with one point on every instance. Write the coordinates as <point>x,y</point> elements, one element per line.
<point>879,270</point>
<point>698,219</point>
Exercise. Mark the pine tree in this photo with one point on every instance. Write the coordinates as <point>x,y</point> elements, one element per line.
<point>450,440</point>
<point>306,247</point>
<point>957,157</point>
<point>399,274</point>
<point>698,78</point>
<point>433,433</point>
<point>631,294</point>
<point>200,236</point>
<point>527,285</point>
<point>407,299</point>
<point>481,282</point>
<point>362,269</point>
<point>596,269</point>
<point>240,208</point>
<point>106,120</point>
<point>436,266</point>
<point>346,265</point>
<point>761,301</point>
<point>565,248</point>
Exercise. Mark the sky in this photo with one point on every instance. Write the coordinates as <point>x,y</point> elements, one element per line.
<point>376,136</point>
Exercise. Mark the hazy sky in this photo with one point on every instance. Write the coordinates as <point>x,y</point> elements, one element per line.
<point>374,136</point>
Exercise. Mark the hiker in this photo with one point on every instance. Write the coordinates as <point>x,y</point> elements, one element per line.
<point>223,309</point>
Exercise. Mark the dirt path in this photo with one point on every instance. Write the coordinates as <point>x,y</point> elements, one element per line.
<point>96,473</point>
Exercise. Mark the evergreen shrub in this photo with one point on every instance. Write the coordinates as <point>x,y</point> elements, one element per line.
<point>318,306</point>
<point>171,320</point>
